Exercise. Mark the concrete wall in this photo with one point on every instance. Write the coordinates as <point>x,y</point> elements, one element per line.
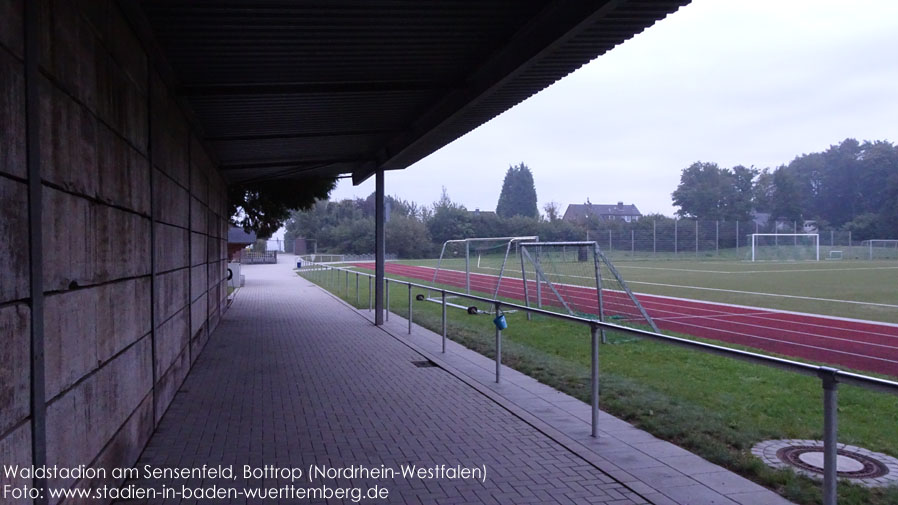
<point>133,236</point>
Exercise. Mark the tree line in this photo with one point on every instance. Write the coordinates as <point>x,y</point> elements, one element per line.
<point>415,231</point>
<point>851,186</point>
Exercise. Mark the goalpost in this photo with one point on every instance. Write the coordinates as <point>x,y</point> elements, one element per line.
<point>485,253</point>
<point>881,249</point>
<point>578,278</point>
<point>785,247</point>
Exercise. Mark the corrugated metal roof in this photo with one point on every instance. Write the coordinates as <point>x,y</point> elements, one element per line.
<point>289,88</point>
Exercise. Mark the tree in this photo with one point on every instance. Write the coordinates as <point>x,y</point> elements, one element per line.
<point>763,191</point>
<point>518,195</point>
<point>786,196</point>
<point>742,198</point>
<point>407,237</point>
<point>704,191</point>
<point>264,206</point>
<point>449,221</point>
<point>553,211</point>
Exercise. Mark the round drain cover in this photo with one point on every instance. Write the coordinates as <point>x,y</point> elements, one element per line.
<point>848,464</point>
<point>857,464</point>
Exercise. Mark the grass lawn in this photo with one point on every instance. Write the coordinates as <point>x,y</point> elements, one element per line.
<point>710,405</point>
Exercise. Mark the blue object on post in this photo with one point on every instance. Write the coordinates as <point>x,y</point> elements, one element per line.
<point>298,264</point>
<point>500,321</point>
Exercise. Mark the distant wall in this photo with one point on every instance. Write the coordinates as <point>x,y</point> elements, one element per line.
<point>132,234</point>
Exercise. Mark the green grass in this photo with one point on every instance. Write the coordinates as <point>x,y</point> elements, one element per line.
<point>713,406</point>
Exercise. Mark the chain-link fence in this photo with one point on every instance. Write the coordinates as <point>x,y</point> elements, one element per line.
<point>723,240</point>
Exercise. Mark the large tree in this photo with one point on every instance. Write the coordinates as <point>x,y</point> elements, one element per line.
<point>264,206</point>
<point>709,192</point>
<point>518,196</point>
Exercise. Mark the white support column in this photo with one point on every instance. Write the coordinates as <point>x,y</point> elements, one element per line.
<point>379,248</point>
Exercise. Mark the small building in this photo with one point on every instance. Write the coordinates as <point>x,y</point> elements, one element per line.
<point>579,213</point>
<point>238,240</point>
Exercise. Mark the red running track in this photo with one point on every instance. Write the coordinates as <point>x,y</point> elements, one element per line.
<point>862,345</point>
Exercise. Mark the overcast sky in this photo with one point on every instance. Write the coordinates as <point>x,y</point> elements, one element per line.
<point>752,82</point>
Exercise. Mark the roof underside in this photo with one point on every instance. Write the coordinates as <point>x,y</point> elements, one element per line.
<point>286,89</point>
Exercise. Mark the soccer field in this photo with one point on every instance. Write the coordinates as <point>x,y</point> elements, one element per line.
<point>854,289</point>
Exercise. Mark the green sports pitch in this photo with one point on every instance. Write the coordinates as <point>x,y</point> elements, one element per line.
<point>854,289</point>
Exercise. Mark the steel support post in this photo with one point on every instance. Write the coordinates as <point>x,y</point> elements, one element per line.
<point>387,299</point>
<point>498,347</point>
<point>409,309</point>
<point>443,296</point>
<point>468,268</point>
<point>830,433</point>
<point>379,247</point>
<point>594,379</point>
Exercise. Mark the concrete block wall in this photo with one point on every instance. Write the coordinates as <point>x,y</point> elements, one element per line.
<point>133,235</point>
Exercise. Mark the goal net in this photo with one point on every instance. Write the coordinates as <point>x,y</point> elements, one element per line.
<point>785,247</point>
<point>881,249</point>
<point>577,278</point>
<point>477,264</point>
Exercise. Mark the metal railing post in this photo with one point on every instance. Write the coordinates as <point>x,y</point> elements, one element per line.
<point>498,347</point>
<point>443,293</point>
<point>409,309</point>
<point>830,433</point>
<point>370,307</point>
<point>346,284</point>
<point>594,379</point>
<point>387,299</point>
<point>357,289</point>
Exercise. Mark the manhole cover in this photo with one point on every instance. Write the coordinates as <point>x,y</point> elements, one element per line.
<point>856,464</point>
<point>848,464</point>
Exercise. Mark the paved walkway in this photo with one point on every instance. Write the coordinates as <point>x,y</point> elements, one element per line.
<point>294,377</point>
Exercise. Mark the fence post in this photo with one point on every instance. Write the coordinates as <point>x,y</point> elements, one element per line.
<point>346,284</point>
<point>737,239</point>
<point>609,240</point>
<point>443,293</point>
<point>676,231</point>
<point>498,346</point>
<point>409,309</point>
<point>654,238</point>
<point>632,242</point>
<point>717,238</point>
<point>387,299</point>
<point>357,290</point>
<point>594,330</point>
<point>696,238</point>
<point>370,307</point>
<point>830,433</point>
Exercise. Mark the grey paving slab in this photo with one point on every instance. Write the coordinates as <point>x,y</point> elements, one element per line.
<point>293,377</point>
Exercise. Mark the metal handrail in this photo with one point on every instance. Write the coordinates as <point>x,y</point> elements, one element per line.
<point>830,377</point>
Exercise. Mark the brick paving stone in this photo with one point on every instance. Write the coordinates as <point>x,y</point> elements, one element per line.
<point>292,377</point>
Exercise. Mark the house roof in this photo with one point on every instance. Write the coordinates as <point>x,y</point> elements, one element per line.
<point>579,212</point>
<point>283,89</point>
<point>238,236</point>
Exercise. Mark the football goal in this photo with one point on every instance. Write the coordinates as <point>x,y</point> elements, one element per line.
<point>577,278</point>
<point>486,257</point>
<point>881,249</point>
<point>785,247</point>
